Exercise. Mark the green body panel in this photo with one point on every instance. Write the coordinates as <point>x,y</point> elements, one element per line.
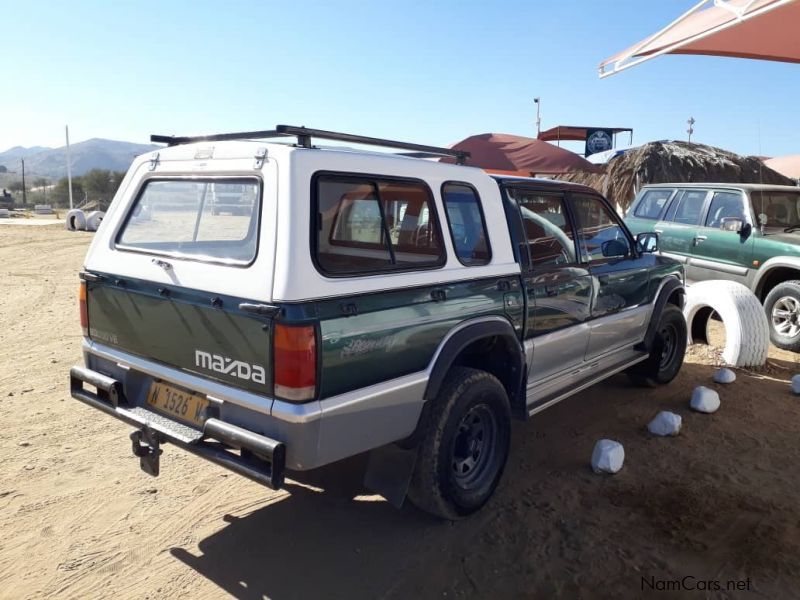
<point>171,329</point>
<point>775,244</point>
<point>397,333</point>
<point>726,247</point>
<point>557,298</point>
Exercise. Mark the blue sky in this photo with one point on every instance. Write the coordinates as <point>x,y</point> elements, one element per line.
<point>429,72</point>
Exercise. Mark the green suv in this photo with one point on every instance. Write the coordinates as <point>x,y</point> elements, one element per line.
<point>359,302</point>
<point>747,233</point>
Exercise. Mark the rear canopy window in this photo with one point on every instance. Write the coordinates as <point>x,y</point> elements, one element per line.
<point>206,219</point>
<point>368,225</point>
<point>466,224</point>
<point>651,204</point>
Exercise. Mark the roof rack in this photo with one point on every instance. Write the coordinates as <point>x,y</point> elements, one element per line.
<point>304,135</point>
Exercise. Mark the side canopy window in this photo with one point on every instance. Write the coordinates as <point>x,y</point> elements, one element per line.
<point>466,222</point>
<point>686,207</point>
<point>547,229</point>
<point>599,232</point>
<point>368,225</point>
<point>213,220</point>
<point>651,204</point>
<point>725,205</point>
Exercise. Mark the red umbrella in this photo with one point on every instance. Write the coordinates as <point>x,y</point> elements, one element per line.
<point>763,29</point>
<point>521,155</point>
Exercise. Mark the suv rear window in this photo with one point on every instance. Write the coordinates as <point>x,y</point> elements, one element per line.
<point>368,225</point>
<point>651,204</point>
<point>213,220</point>
<point>467,227</point>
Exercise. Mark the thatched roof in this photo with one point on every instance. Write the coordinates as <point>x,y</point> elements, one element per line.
<point>674,162</point>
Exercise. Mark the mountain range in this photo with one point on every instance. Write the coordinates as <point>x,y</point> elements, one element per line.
<point>95,153</point>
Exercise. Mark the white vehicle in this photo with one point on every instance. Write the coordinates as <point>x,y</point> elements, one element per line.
<point>359,302</point>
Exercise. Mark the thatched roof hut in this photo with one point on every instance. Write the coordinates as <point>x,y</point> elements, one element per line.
<point>674,162</point>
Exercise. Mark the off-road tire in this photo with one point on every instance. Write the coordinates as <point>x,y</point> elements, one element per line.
<point>667,352</point>
<point>788,294</point>
<point>466,395</point>
<point>746,324</point>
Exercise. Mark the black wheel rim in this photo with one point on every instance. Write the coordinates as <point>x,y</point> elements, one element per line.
<point>669,344</point>
<point>475,448</point>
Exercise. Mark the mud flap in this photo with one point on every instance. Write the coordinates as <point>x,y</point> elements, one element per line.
<point>147,446</point>
<point>389,471</point>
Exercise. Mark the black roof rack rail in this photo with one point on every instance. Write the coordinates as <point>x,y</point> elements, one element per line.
<point>304,135</point>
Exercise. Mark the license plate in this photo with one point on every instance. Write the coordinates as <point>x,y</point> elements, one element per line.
<point>183,405</point>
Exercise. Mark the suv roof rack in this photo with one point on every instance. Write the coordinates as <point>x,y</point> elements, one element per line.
<point>304,135</point>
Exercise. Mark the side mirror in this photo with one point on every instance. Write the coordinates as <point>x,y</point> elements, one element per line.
<point>647,242</point>
<point>612,248</point>
<point>734,224</point>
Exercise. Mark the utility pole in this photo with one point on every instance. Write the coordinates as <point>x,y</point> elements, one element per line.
<point>69,169</point>
<point>24,196</point>
<point>690,131</point>
<point>538,116</point>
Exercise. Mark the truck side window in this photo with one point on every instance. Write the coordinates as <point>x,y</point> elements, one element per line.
<point>599,232</point>
<point>550,238</point>
<point>467,226</point>
<point>367,225</point>
<point>652,203</point>
<point>723,205</point>
<point>686,207</point>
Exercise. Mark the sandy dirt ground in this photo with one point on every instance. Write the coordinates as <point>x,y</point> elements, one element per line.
<point>79,520</point>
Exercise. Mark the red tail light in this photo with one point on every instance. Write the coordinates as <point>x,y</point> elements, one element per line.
<point>83,309</point>
<point>295,360</point>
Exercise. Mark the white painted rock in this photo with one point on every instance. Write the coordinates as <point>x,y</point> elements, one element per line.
<point>796,384</point>
<point>665,423</point>
<point>704,400</point>
<point>607,456</point>
<point>724,376</point>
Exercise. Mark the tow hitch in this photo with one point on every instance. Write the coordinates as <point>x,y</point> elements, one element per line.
<point>147,446</point>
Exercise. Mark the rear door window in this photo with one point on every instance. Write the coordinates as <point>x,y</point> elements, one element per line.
<point>467,227</point>
<point>212,220</point>
<point>652,203</point>
<point>368,225</point>
<point>548,232</point>
<point>686,207</point>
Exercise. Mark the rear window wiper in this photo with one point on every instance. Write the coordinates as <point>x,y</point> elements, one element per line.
<point>791,228</point>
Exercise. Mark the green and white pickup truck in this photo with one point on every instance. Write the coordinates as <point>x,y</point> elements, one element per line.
<point>748,233</point>
<point>366,302</point>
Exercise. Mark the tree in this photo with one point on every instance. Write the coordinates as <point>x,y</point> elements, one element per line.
<point>101,185</point>
<point>3,169</point>
<point>60,193</point>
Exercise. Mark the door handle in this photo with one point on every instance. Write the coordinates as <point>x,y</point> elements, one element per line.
<point>699,239</point>
<point>438,295</point>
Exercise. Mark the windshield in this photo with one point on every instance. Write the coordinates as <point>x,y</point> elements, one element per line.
<point>776,208</point>
<point>214,220</point>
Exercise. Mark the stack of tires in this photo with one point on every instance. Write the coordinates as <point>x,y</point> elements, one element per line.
<point>77,220</point>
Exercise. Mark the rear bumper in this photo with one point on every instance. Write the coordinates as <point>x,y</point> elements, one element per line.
<point>252,455</point>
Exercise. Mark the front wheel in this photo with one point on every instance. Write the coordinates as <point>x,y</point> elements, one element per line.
<point>782,306</point>
<point>667,352</point>
<point>464,445</point>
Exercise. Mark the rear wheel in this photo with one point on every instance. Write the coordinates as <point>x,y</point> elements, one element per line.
<point>464,446</point>
<point>667,352</point>
<point>782,306</point>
